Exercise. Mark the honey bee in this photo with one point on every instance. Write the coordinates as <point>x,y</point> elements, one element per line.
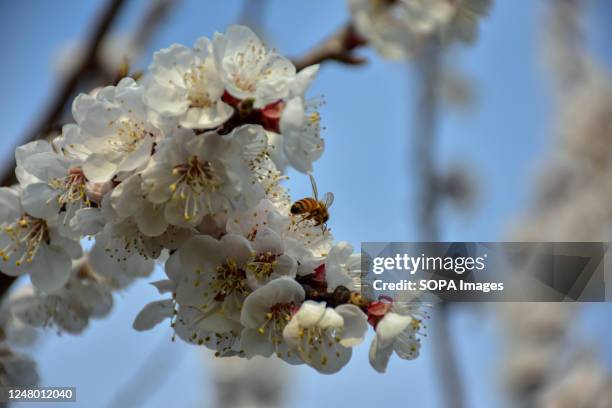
<point>310,208</point>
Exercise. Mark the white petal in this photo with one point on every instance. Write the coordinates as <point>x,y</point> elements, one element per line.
<point>98,168</point>
<point>390,327</point>
<point>138,157</point>
<point>174,267</point>
<point>156,180</point>
<point>379,357</point>
<point>267,240</point>
<point>88,221</point>
<point>166,61</point>
<point>126,198</point>
<point>407,349</point>
<point>335,362</point>
<point>20,370</point>
<point>255,344</point>
<point>10,207</point>
<point>279,72</point>
<point>164,286</point>
<point>201,252</point>
<point>150,220</point>
<point>153,314</point>
<point>51,268</point>
<point>30,310</point>
<point>236,248</point>
<point>258,303</point>
<point>232,306</point>
<point>331,320</point>
<point>45,166</point>
<point>40,201</point>
<point>340,253</point>
<point>302,81</point>
<point>81,105</point>
<point>167,100</point>
<point>310,313</point>
<point>29,149</point>
<point>355,325</point>
<point>207,118</point>
<point>292,118</point>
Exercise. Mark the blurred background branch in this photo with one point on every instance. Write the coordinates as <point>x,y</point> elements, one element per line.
<point>546,364</point>
<point>339,47</point>
<point>149,376</point>
<point>428,200</point>
<point>252,14</point>
<point>88,70</point>
<point>58,102</point>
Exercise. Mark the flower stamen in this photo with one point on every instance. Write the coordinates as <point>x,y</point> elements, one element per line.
<point>27,234</point>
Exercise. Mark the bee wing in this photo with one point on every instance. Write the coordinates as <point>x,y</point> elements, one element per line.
<point>329,199</point>
<point>314,187</point>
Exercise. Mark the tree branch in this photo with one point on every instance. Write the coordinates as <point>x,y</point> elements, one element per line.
<point>339,47</point>
<point>445,357</point>
<point>51,117</point>
<point>150,376</point>
<point>153,17</point>
<point>88,66</point>
<point>425,130</point>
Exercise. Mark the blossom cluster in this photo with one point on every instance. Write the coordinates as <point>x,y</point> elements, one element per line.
<point>184,167</point>
<point>16,368</point>
<point>398,28</point>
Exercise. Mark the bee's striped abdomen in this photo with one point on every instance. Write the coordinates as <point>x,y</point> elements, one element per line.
<point>305,205</point>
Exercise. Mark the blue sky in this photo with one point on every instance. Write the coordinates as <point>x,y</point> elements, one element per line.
<point>367,115</point>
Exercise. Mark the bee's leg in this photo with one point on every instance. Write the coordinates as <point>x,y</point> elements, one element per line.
<point>302,219</point>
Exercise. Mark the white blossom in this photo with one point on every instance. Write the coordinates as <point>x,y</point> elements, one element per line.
<point>322,337</point>
<point>186,85</point>
<point>248,70</point>
<point>265,314</point>
<point>184,169</point>
<point>397,329</point>
<point>211,274</point>
<point>117,128</point>
<point>195,175</point>
<point>30,242</point>
<point>16,369</point>
<point>397,29</point>
<point>119,264</point>
<point>68,308</point>
<point>343,267</point>
<point>58,179</point>
<point>301,141</point>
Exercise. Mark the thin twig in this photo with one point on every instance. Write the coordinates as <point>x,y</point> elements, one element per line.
<point>339,47</point>
<point>426,120</point>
